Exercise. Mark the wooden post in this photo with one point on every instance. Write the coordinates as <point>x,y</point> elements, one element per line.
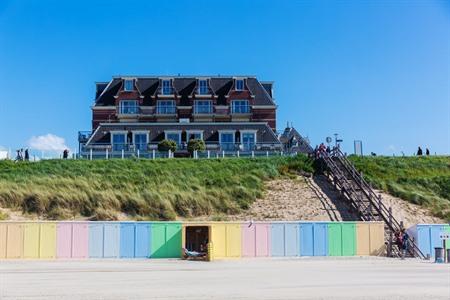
<point>267,153</point>
<point>170,153</point>
<point>223,153</point>
<point>209,154</point>
<point>138,153</point>
<point>253,154</point>
<point>237,153</point>
<point>379,206</point>
<point>389,250</point>
<point>90,154</point>
<point>153,154</point>
<point>106,153</point>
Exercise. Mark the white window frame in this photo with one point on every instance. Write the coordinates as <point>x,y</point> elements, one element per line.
<point>146,132</point>
<point>166,132</point>
<point>125,85</point>
<point>158,105</point>
<point>205,100</point>
<point>200,86</point>
<point>236,100</point>
<point>227,131</point>
<point>188,132</point>
<point>170,86</point>
<point>252,131</point>
<point>236,84</point>
<point>118,132</point>
<point>121,102</point>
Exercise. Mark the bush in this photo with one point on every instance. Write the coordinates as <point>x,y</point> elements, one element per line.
<point>166,145</point>
<point>196,145</point>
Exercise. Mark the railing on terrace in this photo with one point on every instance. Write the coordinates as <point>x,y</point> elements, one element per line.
<point>203,109</point>
<point>165,109</point>
<point>240,109</point>
<point>150,150</point>
<point>129,110</point>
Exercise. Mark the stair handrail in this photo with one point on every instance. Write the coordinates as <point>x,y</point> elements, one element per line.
<point>384,212</point>
<point>345,186</point>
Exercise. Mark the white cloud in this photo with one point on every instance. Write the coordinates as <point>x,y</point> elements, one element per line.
<point>48,142</point>
<point>392,148</point>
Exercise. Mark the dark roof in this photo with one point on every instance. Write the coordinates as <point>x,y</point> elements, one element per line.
<point>184,86</point>
<point>100,87</point>
<point>266,133</point>
<point>289,134</point>
<point>261,95</point>
<point>106,98</point>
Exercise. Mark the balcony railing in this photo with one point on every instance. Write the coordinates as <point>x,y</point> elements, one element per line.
<point>143,148</point>
<point>202,109</point>
<point>240,109</point>
<point>129,110</point>
<point>166,110</point>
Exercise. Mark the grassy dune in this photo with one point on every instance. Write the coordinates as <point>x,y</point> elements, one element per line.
<point>420,180</point>
<point>143,189</point>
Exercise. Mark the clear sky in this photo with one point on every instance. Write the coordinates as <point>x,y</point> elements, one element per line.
<point>376,71</point>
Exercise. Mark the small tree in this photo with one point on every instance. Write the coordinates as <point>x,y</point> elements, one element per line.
<point>196,145</point>
<point>166,145</point>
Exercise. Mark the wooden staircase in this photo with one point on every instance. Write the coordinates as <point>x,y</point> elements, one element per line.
<point>363,199</point>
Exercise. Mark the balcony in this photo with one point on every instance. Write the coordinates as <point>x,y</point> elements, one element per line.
<point>166,110</point>
<point>129,110</point>
<point>240,109</point>
<point>200,109</point>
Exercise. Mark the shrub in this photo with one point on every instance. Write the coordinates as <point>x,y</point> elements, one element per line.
<point>166,145</point>
<point>196,145</point>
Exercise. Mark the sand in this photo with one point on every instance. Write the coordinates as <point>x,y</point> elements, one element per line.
<point>301,278</point>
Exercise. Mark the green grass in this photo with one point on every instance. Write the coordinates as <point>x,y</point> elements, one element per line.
<point>143,189</point>
<point>420,180</point>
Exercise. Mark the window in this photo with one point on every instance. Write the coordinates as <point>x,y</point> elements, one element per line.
<point>248,141</point>
<point>227,141</point>
<point>118,141</point>
<point>140,141</point>
<point>203,87</point>
<point>165,107</point>
<point>203,107</point>
<point>174,136</point>
<point>194,135</point>
<point>240,107</point>
<point>167,87</point>
<point>127,107</point>
<point>128,85</point>
<point>239,84</point>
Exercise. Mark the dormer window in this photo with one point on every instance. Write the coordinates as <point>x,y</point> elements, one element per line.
<point>128,85</point>
<point>239,84</point>
<point>203,87</point>
<point>166,87</point>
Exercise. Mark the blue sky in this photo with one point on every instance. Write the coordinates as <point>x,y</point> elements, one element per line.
<point>376,71</point>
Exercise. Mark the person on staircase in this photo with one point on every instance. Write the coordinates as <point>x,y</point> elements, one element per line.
<point>405,242</point>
